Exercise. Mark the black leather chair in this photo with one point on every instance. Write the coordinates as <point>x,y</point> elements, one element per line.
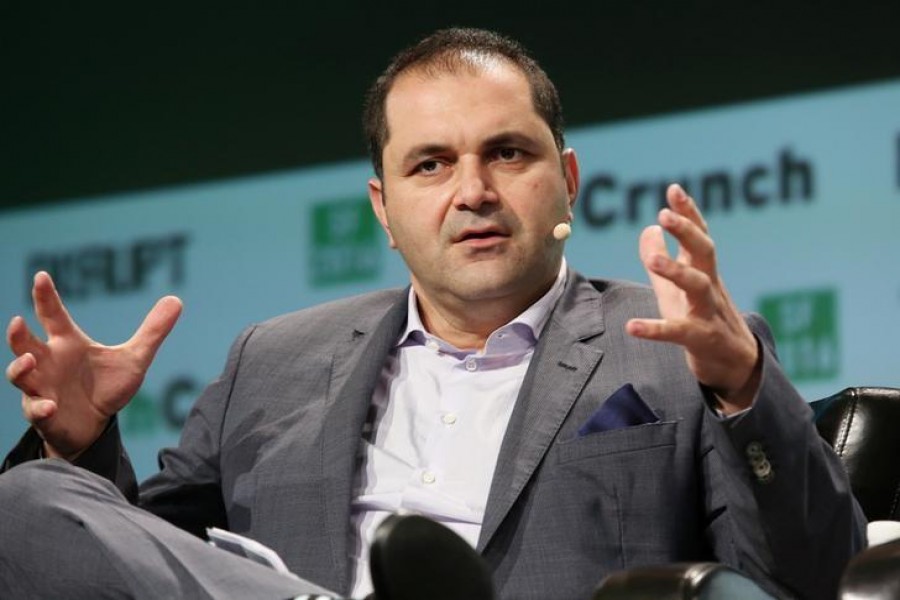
<point>862,424</point>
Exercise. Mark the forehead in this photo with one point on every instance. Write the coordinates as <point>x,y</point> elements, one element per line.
<point>468,101</point>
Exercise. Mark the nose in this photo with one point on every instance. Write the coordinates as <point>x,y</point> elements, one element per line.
<point>474,185</point>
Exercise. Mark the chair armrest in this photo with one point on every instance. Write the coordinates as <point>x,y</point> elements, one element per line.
<point>880,532</point>
<point>873,574</point>
<point>679,581</point>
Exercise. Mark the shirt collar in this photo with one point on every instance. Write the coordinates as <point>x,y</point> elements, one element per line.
<point>534,318</point>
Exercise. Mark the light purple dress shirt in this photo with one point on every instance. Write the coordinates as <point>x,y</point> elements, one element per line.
<point>437,420</point>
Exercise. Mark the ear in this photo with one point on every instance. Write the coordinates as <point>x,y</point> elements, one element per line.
<point>570,170</point>
<point>376,198</point>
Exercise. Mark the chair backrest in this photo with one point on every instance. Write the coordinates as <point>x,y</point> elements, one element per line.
<point>862,424</point>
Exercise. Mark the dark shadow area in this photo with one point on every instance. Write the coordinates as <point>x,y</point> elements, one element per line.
<point>101,97</point>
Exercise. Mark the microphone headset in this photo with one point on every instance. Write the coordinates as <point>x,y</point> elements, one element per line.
<point>562,231</point>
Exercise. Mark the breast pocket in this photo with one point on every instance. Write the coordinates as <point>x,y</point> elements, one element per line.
<point>618,441</point>
<point>622,490</point>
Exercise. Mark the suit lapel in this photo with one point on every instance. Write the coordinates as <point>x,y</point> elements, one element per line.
<point>355,369</point>
<point>561,366</point>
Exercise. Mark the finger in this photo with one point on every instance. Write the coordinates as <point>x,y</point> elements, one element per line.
<point>676,331</point>
<point>37,410</point>
<point>18,370</point>
<point>650,245</point>
<point>20,366</point>
<point>688,333</point>
<point>156,326</point>
<point>21,340</point>
<point>694,282</point>
<point>684,205</point>
<point>49,307</point>
<point>695,245</point>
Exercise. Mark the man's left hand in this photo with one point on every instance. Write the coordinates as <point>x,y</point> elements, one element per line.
<point>696,310</point>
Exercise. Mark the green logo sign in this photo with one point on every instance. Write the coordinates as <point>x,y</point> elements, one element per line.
<point>140,417</point>
<point>805,327</point>
<point>345,243</point>
<point>149,414</point>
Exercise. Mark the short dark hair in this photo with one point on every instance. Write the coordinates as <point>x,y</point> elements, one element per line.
<point>445,51</point>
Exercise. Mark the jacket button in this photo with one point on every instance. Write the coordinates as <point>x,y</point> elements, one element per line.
<point>763,471</point>
<point>754,449</point>
<point>759,462</point>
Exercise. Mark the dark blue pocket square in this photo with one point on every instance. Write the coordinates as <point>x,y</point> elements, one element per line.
<point>624,408</point>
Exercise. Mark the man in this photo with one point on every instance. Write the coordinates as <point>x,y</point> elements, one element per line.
<point>565,427</point>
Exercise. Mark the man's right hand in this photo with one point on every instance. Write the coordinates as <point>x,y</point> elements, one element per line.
<point>71,385</point>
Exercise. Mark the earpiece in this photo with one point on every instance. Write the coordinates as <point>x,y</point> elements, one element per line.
<point>562,231</point>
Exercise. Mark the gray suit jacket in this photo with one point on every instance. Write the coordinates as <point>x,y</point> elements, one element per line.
<point>271,448</point>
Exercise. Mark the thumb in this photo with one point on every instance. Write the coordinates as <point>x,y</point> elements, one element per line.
<point>156,327</point>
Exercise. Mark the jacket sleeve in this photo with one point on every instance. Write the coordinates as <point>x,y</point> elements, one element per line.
<point>187,490</point>
<point>106,457</point>
<point>783,509</point>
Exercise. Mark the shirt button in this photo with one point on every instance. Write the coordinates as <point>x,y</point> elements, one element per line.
<point>449,419</point>
<point>432,345</point>
<point>428,477</point>
<point>471,365</point>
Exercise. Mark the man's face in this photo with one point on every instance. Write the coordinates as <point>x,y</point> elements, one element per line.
<point>473,185</point>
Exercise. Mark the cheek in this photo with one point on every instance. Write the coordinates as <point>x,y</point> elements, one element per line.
<point>547,199</point>
<point>414,221</point>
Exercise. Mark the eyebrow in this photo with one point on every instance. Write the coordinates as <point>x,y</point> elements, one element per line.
<point>510,138</point>
<point>505,138</point>
<point>417,153</point>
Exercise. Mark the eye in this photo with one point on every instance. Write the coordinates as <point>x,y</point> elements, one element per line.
<point>429,167</point>
<point>508,154</point>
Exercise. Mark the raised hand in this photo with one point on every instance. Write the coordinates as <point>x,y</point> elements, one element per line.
<point>71,385</point>
<point>697,312</point>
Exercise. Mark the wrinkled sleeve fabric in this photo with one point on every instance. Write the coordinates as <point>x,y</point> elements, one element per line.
<point>187,490</point>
